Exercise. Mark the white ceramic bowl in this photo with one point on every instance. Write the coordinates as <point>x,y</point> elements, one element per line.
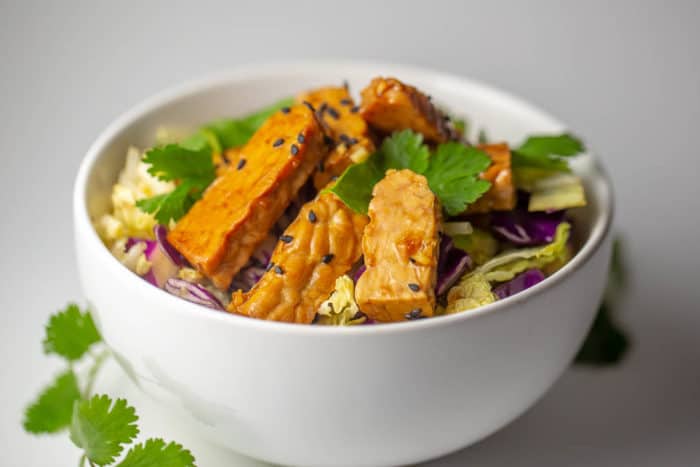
<point>309,395</point>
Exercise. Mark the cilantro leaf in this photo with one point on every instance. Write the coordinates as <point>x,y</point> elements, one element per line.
<point>405,150</point>
<point>70,333</point>
<point>155,452</point>
<point>236,132</point>
<point>559,145</point>
<point>53,409</point>
<point>190,162</point>
<point>453,175</point>
<point>606,343</point>
<point>355,185</point>
<point>101,427</point>
<point>547,152</point>
<point>452,172</point>
<point>171,205</point>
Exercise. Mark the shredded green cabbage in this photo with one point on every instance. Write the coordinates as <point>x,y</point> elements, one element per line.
<point>507,265</point>
<point>474,288</point>
<point>472,291</point>
<point>340,308</point>
<point>549,190</point>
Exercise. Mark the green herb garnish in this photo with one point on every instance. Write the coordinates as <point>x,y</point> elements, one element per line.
<point>190,163</point>
<point>452,171</point>
<point>607,343</point>
<point>100,426</point>
<point>547,152</point>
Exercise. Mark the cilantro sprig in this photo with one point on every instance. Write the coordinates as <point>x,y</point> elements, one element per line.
<point>101,426</point>
<point>190,162</point>
<point>452,171</point>
<point>607,342</point>
<point>547,152</point>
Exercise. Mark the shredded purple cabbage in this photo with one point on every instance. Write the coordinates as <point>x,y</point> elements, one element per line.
<point>522,281</point>
<point>161,234</point>
<point>192,292</point>
<point>452,263</point>
<point>150,245</point>
<point>526,228</point>
<point>358,272</point>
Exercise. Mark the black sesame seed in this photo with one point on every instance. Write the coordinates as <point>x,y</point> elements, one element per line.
<point>312,217</point>
<point>334,178</point>
<point>300,138</point>
<point>412,260</point>
<point>345,102</point>
<point>279,270</point>
<point>359,315</point>
<point>446,118</point>
<point>308,104</point>
<point>355,109</point>
<point>321,168</point>
<point>294,149</point>
<point>225,158</point>
<point>286,239</point>
<point>316,318</point>
<point>285,110</point>
<point>415,313</point>
<point>327,258</point>
<point>269,266</point>
<point>241,164</point>
<point>430,98</point>
<point>346,85</point>
<point>352,141</point>
<point>328,140</point>
<point>278,142</point>
<point>344,138</point>
<point>333,113</point>
<point>413,286</point>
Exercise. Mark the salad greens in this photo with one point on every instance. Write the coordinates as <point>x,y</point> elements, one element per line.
<point>607,343</point>
<point>556,192</point>
<point>101,426</point>
<point>190,162</point>
<point>507,265</point>
<point>452,171</point>
<point>547,152</point>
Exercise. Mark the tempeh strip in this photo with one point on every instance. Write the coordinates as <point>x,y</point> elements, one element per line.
<point>400,246</point>
<point>221,231</point>
<point>320,245</point>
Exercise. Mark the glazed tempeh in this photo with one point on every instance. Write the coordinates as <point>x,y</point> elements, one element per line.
<point>348,130</point>
<point>400,246</point>
<point>390,105</point>
<point>221,231</point>
<point>321,244</point>
<point>501,195</point>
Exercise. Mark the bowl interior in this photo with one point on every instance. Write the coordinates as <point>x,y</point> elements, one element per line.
<point>504,117</point>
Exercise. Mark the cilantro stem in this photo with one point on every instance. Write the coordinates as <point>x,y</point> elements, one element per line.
<point>99,359</point>
<point>82,461</point>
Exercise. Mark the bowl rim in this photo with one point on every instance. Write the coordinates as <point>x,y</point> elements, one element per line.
<point>600,182</point>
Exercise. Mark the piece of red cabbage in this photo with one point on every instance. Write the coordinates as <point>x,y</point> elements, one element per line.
<point>522,281</point>
<point>526,228</point>
<point>452,263</point>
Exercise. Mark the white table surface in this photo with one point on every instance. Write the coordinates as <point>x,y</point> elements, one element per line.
<point>625,75</point>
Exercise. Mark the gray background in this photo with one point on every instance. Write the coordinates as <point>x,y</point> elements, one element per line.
<point>625,75</point>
